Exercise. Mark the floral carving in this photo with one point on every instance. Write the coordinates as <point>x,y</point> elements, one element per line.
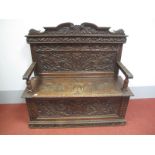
<point>76,61</point>
<point>77,107</point>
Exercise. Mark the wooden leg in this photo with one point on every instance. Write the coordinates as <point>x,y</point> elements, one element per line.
<point>29,86</point>
<point>125,84</point>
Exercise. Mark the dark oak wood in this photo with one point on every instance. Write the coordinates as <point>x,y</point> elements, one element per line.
<point>127,74</point>
<point>76,80</point>
<point>27,75</point>
<point>29,71</point>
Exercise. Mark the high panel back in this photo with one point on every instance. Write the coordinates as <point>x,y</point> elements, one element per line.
<point>76,48</point>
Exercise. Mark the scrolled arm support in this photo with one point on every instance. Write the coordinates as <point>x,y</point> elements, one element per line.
<point>127,73</point>
<point>27,75</point>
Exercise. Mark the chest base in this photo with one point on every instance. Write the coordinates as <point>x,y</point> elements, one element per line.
<point>77,112</point>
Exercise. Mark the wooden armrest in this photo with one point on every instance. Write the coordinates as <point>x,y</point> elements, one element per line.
<point>127,74</point>
<point>29,71</point>
<point>125,71</point>
<point>27,75</point>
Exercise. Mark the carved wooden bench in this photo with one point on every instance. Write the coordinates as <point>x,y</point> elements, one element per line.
<point>76,80</point>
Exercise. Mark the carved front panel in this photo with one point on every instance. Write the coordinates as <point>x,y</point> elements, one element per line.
<point>77,107</point>
<point>49,61</point>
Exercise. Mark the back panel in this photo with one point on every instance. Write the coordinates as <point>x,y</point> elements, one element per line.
<point>76,48</point>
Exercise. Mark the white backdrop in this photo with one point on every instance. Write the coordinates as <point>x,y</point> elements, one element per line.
<point>137,18</point>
